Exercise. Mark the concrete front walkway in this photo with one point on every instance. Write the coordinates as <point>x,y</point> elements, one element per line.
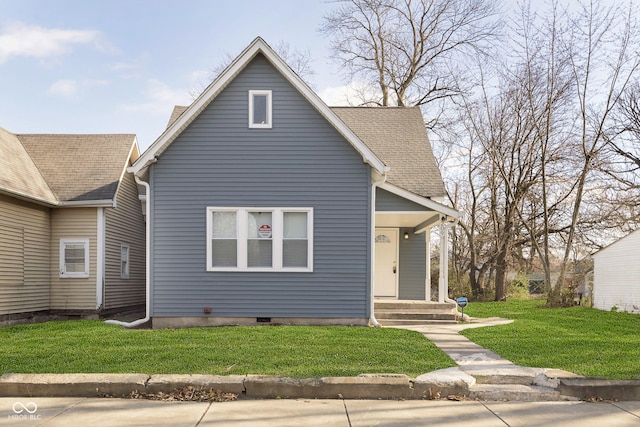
<point>97,412</point>
<point>488,375</point>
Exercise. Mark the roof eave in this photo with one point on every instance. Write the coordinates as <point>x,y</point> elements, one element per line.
<point>107,203</point>
<point>29,198</point>
<point>423,201</point>
<point>257,46</point>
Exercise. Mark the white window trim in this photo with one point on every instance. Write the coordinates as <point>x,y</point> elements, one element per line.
<point>277,239</point>
<point>267,125</point>
<point>125,275</point>
<point>74,275</point>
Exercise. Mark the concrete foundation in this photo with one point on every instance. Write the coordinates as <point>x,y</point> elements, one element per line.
<point>190,322</point>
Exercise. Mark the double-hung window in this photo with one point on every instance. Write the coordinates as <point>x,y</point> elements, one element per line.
<point>74,258</point>
<point>259,239</point>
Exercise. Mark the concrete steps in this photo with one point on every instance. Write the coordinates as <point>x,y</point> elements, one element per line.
<point>515,383</point>
<point>399,313</point>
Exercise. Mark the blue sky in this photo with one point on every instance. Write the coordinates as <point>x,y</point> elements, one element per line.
<point>89,66</point>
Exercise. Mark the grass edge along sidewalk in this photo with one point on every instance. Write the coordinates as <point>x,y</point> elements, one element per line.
<point>586,341</point>
<point>86,346</point>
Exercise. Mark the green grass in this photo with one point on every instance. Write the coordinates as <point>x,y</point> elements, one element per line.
<point>582,340</point>
<point>292,351</point>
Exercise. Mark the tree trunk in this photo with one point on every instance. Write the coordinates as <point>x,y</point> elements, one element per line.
<point>501,272</point>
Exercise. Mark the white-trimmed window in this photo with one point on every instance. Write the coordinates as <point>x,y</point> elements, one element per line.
<point>74,258</point>
<point>124,261</point>
<point>259,239</point>
<point>260,109</point>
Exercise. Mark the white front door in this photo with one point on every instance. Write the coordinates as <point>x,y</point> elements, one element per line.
<point>386,274</point>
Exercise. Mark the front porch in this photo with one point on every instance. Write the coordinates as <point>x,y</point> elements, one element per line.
<point>399,313</point>
<point>402,252</point>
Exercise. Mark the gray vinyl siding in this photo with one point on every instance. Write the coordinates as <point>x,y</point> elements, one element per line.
<point>412,254</point>
<point>25,233</point>
<point>389,202</point>
<point>301,162</point>
<point>125,224</point>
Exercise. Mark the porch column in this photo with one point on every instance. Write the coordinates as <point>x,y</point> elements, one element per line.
<point>443,284</point>
<point>427,280</point>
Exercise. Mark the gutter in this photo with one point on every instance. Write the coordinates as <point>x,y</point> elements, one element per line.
<point>372,318</point>
<point>107,203</point>
<point>147,316</point>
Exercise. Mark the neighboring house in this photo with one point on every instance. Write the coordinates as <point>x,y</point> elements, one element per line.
<point>266,205</point>
<point>72,233</point>
<point>616,275</point>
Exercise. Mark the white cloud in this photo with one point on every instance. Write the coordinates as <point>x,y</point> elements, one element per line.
<point>21,39</point>
<point>66,88</point>
<point>352,94</point>
<point>160,99</point>
<point>70,89</point>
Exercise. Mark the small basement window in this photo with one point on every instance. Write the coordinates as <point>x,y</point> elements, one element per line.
<point>260,109</point>
<point>124,261</point>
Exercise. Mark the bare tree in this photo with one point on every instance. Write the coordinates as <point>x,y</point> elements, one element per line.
<point>548,151</point>
<point>408,47</point>
<point>601,50</point>
<point>626,140</point>
<point>299,61</point>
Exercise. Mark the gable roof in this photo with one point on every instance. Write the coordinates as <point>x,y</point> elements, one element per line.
<point>397,135</point>
<point>59,170</point>
<point>258,46</point>
<point>80,167</point>
<point>629,237</point>
<point>19,176</point>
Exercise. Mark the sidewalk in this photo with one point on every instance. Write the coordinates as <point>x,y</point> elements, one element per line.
<point>96,412</point>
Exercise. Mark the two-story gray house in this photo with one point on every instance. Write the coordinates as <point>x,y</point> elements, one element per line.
<point>266,205</point>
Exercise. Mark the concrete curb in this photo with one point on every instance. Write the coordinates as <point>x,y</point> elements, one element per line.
<point>70,385</point>
<point>590,389</point>
<point>368,386</point>
<point>434,385</point>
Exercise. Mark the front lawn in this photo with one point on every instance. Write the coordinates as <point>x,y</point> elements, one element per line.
<point>582,340</point>
<point>292,351</point>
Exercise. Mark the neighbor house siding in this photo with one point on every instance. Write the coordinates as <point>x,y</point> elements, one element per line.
<point>73,293</point>
<point>24,256</point>
<point>125,224</point>
<point>616,278</point>
<point>301,162</point>
<point>389,202</point>
<point>412,253</point>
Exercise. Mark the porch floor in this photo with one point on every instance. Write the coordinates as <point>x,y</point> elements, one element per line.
<point>408,312</point>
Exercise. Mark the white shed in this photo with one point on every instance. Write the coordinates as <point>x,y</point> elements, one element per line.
<point>616,275</point>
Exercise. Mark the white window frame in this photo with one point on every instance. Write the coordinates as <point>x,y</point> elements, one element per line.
<point>268,124</point>
<point>77,274</point>
<point>242,218</point>
<point>125,274</point>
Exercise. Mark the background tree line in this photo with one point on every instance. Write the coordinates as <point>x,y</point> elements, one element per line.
<point>535,117</point>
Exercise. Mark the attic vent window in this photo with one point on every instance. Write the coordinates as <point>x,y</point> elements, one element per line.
<point>260,109</point>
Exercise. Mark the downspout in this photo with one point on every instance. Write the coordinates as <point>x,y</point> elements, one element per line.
<point>147,316</point>
<point>100,262</point>
<point>372,318</point>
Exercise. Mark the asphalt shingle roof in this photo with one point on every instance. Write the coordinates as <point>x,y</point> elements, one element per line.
<point>397,135</point>
<point>75,168</point>
<point>18,174</point>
